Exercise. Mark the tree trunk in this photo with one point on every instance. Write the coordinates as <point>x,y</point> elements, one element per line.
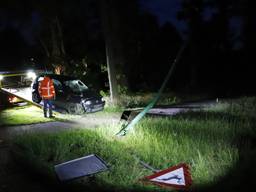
<point>111,46</point>
<point>113,85</point>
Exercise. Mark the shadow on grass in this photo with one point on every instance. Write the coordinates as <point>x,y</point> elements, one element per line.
<point>240,178</point>
<point>200,115</point>
<point>243,174</point>
<point>43,171</point>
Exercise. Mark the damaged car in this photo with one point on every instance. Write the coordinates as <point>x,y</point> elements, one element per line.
<point>72,95</point>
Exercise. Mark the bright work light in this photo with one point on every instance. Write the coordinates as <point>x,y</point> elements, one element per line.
<point>1,77</point>
<point>31,75</point>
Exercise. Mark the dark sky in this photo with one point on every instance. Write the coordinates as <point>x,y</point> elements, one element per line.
<point>166,11</point>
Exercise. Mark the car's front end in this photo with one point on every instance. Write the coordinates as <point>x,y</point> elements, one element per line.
<point>93,104</point>
<point>89,99</point>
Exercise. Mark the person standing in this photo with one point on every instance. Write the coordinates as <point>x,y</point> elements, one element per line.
<point>47,93</point>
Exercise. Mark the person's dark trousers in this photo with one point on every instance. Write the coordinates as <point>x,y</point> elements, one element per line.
<point>47,105</point>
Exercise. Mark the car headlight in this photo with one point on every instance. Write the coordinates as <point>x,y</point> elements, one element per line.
<point>87,102</point>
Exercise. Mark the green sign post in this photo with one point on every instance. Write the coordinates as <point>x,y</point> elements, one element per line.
<point>129,126</point>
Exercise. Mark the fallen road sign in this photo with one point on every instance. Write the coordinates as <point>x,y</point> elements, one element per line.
<point>174,177</point>
<point>85,166</point>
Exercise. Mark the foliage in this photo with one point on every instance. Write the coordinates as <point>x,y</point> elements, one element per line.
<point>104,93</point>
<point>143,99</point>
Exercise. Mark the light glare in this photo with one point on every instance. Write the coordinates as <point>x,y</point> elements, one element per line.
<point>31,75</point>
<point>88,102</point>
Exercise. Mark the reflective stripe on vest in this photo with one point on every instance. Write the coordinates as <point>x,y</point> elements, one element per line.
<point>46,89</point>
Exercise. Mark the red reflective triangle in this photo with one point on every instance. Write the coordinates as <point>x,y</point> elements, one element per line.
<point>176,177</point>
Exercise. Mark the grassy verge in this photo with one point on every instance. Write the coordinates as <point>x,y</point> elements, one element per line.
<point>212,142</point>
<point>141,99</point>
<point>25,115</point>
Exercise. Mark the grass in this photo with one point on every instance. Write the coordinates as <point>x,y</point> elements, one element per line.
<point>24,115</point>
<point>140,100</point>
<point>212,142</point>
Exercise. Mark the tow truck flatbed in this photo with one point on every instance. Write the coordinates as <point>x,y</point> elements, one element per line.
<point>21,93</point>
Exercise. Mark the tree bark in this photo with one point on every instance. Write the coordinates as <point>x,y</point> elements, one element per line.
<point>111,46</point>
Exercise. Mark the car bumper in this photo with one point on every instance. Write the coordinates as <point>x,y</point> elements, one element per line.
<point>94,107</point>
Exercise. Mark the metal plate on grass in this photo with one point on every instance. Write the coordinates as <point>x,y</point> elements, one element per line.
<point>80,167</point>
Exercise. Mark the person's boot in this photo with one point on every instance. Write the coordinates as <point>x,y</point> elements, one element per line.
<point>50,113</point>
<point>45,113</point>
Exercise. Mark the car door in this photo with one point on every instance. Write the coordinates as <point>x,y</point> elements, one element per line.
<point>60,98</point>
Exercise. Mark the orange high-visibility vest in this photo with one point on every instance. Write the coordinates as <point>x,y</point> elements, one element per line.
<point>46,88</point>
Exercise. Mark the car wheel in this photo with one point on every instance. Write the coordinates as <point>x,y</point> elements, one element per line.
<point>75,109</point>
<point>36,98</point>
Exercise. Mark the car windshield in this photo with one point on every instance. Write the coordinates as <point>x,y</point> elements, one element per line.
<point>76,85</point>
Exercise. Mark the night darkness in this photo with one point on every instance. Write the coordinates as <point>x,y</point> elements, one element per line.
<point>123,49</point>
<point>217,57</point>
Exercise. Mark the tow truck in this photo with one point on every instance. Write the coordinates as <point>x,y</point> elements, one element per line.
<point>15,87</point>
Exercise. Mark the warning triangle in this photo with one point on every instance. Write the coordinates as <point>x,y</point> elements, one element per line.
<point>177,176</point>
